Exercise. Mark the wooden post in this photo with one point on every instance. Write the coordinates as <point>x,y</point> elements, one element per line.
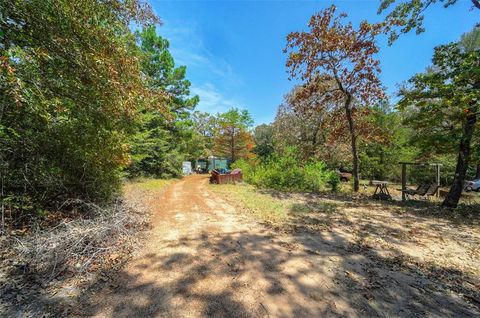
<point>404,181</point>
<point>438,180</point>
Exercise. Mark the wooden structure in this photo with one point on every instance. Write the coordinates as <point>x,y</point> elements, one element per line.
<point>232,177</point>
<point>424,190</point>
<point>404,175</point>
<point>381,190</point>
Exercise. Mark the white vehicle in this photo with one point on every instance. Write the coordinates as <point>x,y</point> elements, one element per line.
<point>473,185</point>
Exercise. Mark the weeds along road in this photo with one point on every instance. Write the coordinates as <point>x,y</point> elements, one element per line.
<point>203,258</point>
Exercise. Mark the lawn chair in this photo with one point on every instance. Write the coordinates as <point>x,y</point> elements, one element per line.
<point>411,191</point>
<point>421,190</point>
<point>432,190</point>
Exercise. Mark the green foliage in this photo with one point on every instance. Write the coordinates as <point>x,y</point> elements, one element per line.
<point>70,86</point>
<point>438,102</point>
<point>285,172</point>
<point>379,157</point>
<point>409,15</point>
<point>232,139</point>
<point>263,137</point>
<point>248,168</point>
<point>202,141</point>
<point>154,151</point>
<point>444,104</point>
<point>162,139</point>
<point>236,118</point>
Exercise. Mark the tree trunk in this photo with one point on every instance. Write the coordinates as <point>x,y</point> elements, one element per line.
<point>451,201</point>
<point>477,173</point>
<point>353,136</point>
<point>232,149</point>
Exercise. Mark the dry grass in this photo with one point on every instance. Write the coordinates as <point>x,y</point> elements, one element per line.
<point>419,235</point>
<point>146,184</point>
<point>64,260</point>
<point>73,246</point>
<point>270,205</point>
<point>261,205</point>
<point>208,258</point>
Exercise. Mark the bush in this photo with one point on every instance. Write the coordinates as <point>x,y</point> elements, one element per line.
<point>247,167</point>
<point>66,116</point>
<point>286,173</point>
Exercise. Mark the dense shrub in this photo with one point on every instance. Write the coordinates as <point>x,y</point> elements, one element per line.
<point>285,172</point>
<point>70,88</point>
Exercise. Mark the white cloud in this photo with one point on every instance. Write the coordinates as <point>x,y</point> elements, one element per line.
<point>212,76</point>
<point>188,48</point>
<point>212,100</point>
<point>184,57</point>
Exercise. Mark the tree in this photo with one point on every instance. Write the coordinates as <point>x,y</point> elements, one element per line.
<point>232,139</point>
<point>204,126</point>
<point>161,74</point>
<point>471,41</point>
<point>70,86</point>
<point>390,144</point>
<point>409,15</point>
<point>303,123</point>
<point>263,138</point>
<point>339,66</point>
<point>162,139</point>
<point>300,123</point>
<point>446,101</point>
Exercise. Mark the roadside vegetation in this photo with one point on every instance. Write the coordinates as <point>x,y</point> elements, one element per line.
<point>86,105</point>
<point>359,131</point>
<point>46,269</point>
<point>145,184</point>
<point>338,120</point>
<point>96,117</point>
<point>287,172</point>
<point>89,101</point>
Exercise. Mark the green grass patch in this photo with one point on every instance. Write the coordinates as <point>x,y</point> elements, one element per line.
<point>262,205</point>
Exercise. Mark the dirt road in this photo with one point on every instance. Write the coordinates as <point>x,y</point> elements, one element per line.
<point>203,258</point>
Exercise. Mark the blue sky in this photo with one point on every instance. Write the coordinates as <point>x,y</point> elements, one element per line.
<point>233,49</point>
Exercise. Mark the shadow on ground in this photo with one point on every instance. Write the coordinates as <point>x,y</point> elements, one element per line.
<point>465,214</point>
<point>259,275</point>
<point>305,268</point>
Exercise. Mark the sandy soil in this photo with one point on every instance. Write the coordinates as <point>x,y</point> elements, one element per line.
<point>203,258</point>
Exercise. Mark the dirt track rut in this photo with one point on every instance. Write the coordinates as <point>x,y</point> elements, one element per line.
<point>203,258</point>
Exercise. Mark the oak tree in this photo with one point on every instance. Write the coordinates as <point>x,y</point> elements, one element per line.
<point>337,61</point>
